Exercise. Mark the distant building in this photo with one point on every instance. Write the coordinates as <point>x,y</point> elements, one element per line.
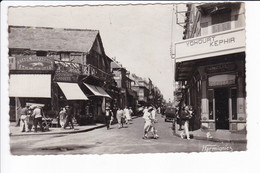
<point>128,97</point>
<point>141,86</point>
<point>210,65</point>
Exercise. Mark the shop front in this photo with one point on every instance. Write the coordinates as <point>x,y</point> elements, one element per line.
<point>212,71</point>
<point>99,100</point>
<point>68,91</point>
<point>30,82</point>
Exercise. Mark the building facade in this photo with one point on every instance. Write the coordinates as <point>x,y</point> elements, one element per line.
<point>128,97</point>
<point>210,65</point>
<point>58,67</point>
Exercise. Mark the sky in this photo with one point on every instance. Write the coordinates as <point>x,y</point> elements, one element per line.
<point>138,36</point>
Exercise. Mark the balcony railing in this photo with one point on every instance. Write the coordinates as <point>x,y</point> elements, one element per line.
<point>91,70</point>
<point>76,68</point>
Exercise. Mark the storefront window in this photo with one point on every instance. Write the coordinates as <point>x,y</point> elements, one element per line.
<point>234,103</point>
<point>211,104</point>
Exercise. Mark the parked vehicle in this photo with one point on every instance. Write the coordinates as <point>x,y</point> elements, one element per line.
<point>169,114</point>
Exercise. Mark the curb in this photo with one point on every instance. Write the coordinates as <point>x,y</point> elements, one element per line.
<point>62,132</point>
<point>213,139</point>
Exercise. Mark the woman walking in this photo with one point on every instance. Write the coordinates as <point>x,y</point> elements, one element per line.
<point>185,117</point>
<point>120,117</point>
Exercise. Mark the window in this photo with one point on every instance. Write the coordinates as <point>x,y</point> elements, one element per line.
<point>64,56</point>
<point>41,53</point>
<point>234,103</point>
<point>74,57</point>
<point>211,103</point>
<point>204,28</point>
<point>221,21</point>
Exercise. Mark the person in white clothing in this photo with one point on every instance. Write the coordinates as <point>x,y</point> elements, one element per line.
<point>127,115</point>
<point>148,126</point>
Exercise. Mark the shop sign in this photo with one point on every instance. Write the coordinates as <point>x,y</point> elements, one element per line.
<point>61,76</point>
<point>217,44</point>
<point>222,80</point>
<point>34,63</point>
<point>221,68</point>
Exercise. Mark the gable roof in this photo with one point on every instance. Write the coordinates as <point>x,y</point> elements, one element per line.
<point>52,39</point>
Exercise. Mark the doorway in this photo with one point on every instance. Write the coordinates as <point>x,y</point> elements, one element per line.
<point>222,108</point>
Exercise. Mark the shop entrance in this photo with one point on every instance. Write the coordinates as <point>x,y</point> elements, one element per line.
<point>221,108</point>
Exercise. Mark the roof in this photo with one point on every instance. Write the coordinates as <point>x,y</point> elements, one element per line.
<point>52,39</point>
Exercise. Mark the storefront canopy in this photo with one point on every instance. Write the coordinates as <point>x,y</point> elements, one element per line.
<point>30,85</point>
<point>72,91</point>
<point>97,91</point>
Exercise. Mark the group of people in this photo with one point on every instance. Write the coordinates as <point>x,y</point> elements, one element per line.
<point>123,116</point>
<point>184,116</point>
<point>149,116</point>
<point>30,117</point>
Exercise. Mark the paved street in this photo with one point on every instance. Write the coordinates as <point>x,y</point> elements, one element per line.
<point>113,141</point>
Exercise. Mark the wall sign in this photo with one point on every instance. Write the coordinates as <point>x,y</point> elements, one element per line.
<point>221,68</point>
<point>61,76</point>
<point>33,62</point>
<point>222,80</point>
<point>232,41</point>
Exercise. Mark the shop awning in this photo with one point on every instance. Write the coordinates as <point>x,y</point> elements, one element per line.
<point>30,85</point>
<point>97,91</point>
<point>72,91</point>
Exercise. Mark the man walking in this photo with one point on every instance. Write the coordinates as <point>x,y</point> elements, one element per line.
<point>24,119</point>
<point>37,114</point>
<point>68,118</point>
<point>108,116</point>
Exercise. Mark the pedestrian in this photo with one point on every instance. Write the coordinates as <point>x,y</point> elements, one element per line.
<point>108,115</point>
<point>30,118</point>
<point>62,117</point>
<point>154,120</point>
<point>119,117</point>
<point>191,120</point>
<point>148,122</point>
<point>24,119</point>
<point>185,117</point>
<point>177,113</point>
<point>131,112</point>
<point>69,117</point>
<point>127,115</point>
<point>37,114</point>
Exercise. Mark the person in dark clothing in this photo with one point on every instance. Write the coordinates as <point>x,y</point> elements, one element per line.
<point>185,117</point>
<point>37,114</point>
<point>68,118</point>
<point>108,116</point>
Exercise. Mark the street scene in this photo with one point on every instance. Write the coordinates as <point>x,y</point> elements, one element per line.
<point>123,82</point>
<point>127,140</point>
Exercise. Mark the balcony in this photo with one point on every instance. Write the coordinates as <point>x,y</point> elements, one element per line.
<point>90,70</point>
<point>79,69</point>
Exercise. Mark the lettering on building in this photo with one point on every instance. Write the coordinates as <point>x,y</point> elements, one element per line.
<point>221,68</point>
<point>211,41</point>
<point>34,63</point>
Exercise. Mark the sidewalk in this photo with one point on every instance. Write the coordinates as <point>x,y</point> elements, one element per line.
<point>216,136</point>
<point>15,131</point>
